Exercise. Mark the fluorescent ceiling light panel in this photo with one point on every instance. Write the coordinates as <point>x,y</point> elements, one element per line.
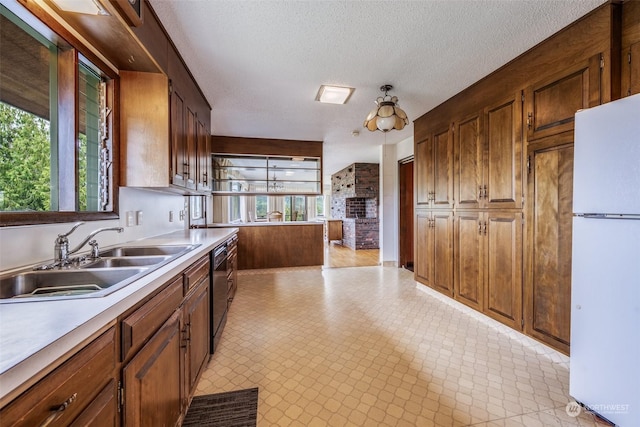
<point>334,94</point>
<point>88,7</point>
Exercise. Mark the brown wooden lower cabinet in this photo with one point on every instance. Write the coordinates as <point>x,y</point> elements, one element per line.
<point>196,343</point>
<point>162,349</point>
<point>159,380</point>
<point>82,388</point>
<point>503,267</point>
<point>333,230</point>
<point>548,278</point>
<point>475,257</point>
<point>152,379</point>
<point>469,259</point>
<point>434,250</point>
<point>488,263</point>
<point>102,411</point>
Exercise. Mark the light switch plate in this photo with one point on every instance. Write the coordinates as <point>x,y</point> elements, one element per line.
<point>130,219</point>
<point>138,217</point>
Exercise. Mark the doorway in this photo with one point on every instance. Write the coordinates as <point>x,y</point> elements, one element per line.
<point>405,169</point>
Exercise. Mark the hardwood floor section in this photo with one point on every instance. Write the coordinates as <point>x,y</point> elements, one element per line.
<point>336,255</point>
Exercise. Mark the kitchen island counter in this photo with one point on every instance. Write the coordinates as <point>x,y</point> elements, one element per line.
<point>263,224</point>
<point>278,244</point>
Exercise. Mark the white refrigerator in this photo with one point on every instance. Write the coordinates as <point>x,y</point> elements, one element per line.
<point>605,284</point>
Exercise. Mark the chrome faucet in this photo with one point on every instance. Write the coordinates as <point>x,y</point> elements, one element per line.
<point>61,249</point>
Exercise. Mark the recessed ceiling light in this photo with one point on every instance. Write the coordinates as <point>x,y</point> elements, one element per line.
<point>89,7</point>
<point>334,94</point>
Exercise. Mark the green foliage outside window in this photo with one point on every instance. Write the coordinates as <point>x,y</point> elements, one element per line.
<point>25,154</point>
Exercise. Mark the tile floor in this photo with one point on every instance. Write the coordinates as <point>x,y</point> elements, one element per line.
<point>366,346</point>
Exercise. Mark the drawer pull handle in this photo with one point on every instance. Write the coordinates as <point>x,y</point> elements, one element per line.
<point>57,412</point>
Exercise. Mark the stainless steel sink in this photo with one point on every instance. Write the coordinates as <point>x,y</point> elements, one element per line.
<point>30,285</point>
<point>126,251</point>
<point>115,269</point>
<point>126,261</point>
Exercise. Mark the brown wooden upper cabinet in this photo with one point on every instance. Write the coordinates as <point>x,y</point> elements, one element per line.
<point>144,129</point>
<point>631,70</point>
<point>203,134</point>
<point>502,167</point>
<point>164,133</point>
<point>434,170</point>
<point>470,150</point>
<point>488,152</point>
<point>551,104</point>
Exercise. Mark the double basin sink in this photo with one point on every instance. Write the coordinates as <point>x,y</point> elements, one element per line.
<point>113,270</point>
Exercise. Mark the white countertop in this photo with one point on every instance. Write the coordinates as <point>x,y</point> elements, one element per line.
<point>36,336</point>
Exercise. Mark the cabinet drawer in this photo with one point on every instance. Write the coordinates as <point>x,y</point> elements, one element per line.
<point>138,327</point>
<point>78,381</point>
<point>196,272</point>
<point>102,411</point>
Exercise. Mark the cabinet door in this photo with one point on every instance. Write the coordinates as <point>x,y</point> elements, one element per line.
<point>442,196</point>
<point>191,168</point>
<point>152,379</point>
<point>144,149</point>
<point>424,249</point>
<point>178,140</point>
<point>434,250</point>
<point>442,232</point>
<point>503,271</point>
<point>631,70</point>
<point>469,257</point>
<point>553,102</point>
<point>424,172</point>
<point>204,158</point>
<point>196,326</point>
<point>502,186</point>
<point>548,284</point>
<point>469,150</point>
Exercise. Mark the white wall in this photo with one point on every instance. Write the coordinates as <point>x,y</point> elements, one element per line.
<point>390,199</point>
<point>26,245</point>
<point>404,148</point>
<point>388,205</point>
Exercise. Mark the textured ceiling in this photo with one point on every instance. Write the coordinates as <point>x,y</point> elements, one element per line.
<point>260,63</point>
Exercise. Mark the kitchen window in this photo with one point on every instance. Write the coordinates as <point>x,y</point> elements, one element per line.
<point>55,128</point>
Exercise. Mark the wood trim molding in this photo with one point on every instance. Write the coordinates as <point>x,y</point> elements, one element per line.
<point>265,146</point>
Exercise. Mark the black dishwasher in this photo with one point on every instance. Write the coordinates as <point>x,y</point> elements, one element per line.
<point>218,295</point>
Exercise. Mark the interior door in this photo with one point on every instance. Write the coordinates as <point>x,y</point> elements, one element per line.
<point>406,214</point>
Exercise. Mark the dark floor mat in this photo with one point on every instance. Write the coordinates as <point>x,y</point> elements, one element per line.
<point>230,409</point>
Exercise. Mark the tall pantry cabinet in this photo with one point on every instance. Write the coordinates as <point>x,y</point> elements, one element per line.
<point>505,247</point>
<point>465,246</point>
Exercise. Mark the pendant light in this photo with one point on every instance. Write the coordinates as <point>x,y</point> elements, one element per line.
<point>387,115</point>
